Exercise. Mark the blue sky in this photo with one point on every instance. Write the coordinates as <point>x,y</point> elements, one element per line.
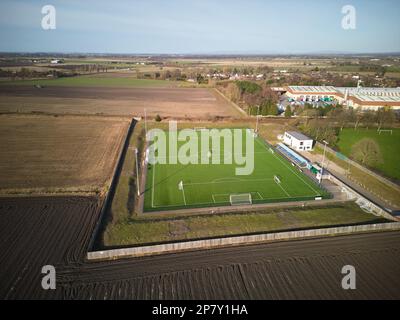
<point>200,26</point>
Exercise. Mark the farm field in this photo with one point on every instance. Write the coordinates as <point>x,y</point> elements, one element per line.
<point>280,270</point>
<point>36,231</point>
<point>95,81</point>
<point>199,103</point>
<point>389,145</point>
<point>42,154</point>
<point>274,179</point>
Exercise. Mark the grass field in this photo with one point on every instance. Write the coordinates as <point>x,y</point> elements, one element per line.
<point>150,229</point>
<point>93,81</point>
<point>389,145</point>
<point>206,185</point>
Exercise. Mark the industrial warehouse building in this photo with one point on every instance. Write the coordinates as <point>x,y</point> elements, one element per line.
<point>354,97</point>
<point>297,141</point>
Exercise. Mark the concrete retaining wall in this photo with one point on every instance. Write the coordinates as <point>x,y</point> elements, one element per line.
<point>376,209</point>
<point>239,240</point>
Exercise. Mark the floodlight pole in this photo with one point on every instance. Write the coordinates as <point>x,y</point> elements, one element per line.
<point>145,121</point>
<point>323,161</point>
<point>257,116</point>
<point>137,172</point>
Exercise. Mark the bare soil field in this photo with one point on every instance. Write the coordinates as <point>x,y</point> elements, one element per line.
<point>308,269</point>
<point>37,231</point>
<point>199,103</point>
<point>42,154</point>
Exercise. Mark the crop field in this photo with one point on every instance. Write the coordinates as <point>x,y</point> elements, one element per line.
<point>42,154</point>
<point>389,145</point>
<point>95,81</point>
<point>274,179</point>
<point>188,103</point>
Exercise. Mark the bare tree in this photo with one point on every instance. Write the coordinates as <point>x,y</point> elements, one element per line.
<point>385,116</point>
<point>367,152</point>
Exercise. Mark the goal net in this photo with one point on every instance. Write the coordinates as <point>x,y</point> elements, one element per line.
<point>240,199</point>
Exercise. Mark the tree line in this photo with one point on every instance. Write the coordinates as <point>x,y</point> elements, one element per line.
<point>254,98</point>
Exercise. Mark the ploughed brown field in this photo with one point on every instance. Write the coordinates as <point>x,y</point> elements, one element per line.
<point>41,154</point>
<point>200,103</point>
<point>37,231</point>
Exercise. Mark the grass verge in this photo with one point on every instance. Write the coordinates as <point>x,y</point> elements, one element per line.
<point>370,183</point>
<point>150,229</point>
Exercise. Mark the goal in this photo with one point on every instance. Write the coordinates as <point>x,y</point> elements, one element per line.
<point>385,131</point>
<point>240,199</point>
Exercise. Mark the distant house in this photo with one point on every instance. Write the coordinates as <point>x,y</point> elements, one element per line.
<point>297,141</point>
<point>56,61</point>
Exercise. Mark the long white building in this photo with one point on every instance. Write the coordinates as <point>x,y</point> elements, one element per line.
<point>364,98</point>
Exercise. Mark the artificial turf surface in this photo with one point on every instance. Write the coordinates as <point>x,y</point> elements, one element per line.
<point>206,185</point>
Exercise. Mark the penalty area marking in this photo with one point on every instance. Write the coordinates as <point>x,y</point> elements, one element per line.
<point>291,169</point>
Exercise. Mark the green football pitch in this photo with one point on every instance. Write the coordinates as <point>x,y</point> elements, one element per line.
<point>274,179</point>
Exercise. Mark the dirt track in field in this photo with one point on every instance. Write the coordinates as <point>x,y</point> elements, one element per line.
<point>45,153</point>
<point>180,103</point>
<point>43,230</point>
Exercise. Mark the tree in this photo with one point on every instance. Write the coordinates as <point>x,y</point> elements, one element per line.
<point>268,107</point>
<point>233,92</point>
<point>288,111</point>
<point>368,118</point>
<point>367,152</point>
<point>340,116</point>
<point>385,116</point>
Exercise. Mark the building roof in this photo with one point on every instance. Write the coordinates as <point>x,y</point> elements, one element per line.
<point>312,89</point>
<point>363,94</point>
<point>373,94</point>
<point>298,135</point>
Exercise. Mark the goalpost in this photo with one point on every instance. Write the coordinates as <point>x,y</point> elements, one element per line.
<point>386,130</point>
<point>277,179</point>
<point>240,199</point>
